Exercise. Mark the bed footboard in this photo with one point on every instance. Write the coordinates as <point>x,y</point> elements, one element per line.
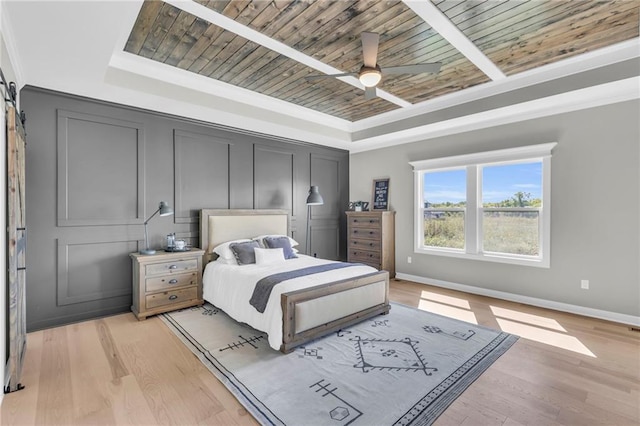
<point>314,312</point>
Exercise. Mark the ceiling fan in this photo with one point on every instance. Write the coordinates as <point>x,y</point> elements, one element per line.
<point>370,74</point>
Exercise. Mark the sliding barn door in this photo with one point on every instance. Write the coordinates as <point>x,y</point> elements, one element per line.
<point>16,241</point>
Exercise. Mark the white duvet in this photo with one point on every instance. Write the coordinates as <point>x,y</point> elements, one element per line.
<point>229,287</point>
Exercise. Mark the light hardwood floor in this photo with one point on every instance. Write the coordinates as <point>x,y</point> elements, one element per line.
<point>565,370</point>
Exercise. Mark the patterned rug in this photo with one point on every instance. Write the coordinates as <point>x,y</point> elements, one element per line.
<point>403,368</point>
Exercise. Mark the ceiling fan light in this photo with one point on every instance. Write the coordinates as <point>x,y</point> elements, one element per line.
<point>370,77</point>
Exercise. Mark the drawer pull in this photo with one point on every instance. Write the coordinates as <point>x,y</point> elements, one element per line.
<point>355,231</point>
<point>370,255</point>
<point>173,266</point>
<point>371,221</point>
<point>173,281</point>
<point>173,297</point>
<point>370,232</point>
<point>355,220</point>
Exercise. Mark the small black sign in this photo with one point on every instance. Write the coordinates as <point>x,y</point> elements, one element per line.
<point>381,194</point>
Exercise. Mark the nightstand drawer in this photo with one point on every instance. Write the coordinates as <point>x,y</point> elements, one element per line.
<point>174,267</point>
<point>364,221</point>
<point>356,243</point>
<point>171,297</point>
<point>168,282</point>
<point>368,233</point>
<point>355,255</point>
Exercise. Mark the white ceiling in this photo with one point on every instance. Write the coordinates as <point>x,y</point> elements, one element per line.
<point>50,46</point>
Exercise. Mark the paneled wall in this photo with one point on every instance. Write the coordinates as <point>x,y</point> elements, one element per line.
<point>95,171</point>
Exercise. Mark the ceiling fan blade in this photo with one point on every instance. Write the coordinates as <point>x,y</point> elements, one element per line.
<point>413,69</point>
<point>370,48</point>
<point>370,93</point>
<point>317,77</point>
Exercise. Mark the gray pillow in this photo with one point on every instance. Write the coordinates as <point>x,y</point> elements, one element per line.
<point>244,252</point>
<point>283,243</point>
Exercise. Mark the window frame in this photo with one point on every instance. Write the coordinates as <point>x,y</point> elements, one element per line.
<point>474,211</point>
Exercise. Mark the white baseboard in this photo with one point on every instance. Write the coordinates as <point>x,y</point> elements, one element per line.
<point>542,303</point>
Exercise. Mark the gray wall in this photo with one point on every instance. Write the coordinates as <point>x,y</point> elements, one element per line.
<point>595,213</point>
<point>95,171</point>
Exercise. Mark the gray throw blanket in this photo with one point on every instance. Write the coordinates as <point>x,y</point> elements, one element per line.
<point>263,288</point>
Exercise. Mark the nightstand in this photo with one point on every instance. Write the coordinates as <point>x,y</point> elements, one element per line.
<point>166,281</point>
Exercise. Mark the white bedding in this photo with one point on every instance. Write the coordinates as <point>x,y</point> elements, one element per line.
<point>229,287</point>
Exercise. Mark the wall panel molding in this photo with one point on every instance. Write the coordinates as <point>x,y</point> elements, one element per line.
<point>93,269</point>
<point>325,174</point>
<point>201,174</point>
<point>325,241</point>
<point>77,181</point>
<point>274,172</point>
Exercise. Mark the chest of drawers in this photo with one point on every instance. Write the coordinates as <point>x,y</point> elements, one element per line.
<point>371,239</point>
<point>166,281</point>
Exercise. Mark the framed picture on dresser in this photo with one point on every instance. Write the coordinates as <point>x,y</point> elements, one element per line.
<point>380,194</point>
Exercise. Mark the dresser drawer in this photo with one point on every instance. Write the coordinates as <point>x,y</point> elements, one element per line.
<point>372,264</point>
<point>371,257</point>
<point>357,243</point>
<point>174,267</point>
<point>364,221</point>
<point>171,297</point>
<point>368,233</point>
<point>168,282</point>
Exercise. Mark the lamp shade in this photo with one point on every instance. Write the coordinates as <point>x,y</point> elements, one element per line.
<point>165,209</point>
<point>314,198</point>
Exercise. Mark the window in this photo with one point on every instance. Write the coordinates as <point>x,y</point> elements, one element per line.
<point>488,206</point>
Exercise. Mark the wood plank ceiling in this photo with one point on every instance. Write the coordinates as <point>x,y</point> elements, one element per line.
<point>516,35</point>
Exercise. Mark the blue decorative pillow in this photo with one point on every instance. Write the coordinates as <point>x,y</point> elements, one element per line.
<point>283,243</point>
<point>244,252</point>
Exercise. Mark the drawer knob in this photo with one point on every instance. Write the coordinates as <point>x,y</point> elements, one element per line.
<point>370,232</point>
<point>173,281</point>
<point>371,221</point>
<point>173,297</point>
<point>173,266</point>
<point>370,255</point>
<point>355,231</point>
<point>355,220</point>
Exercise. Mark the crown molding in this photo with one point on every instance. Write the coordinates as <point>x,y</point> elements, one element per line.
<point>591,97</point>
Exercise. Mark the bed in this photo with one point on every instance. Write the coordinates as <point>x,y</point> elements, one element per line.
<point>308,307</point>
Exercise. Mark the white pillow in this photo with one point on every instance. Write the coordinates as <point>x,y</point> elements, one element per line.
<point>269,256</point>
<point>225,252</point>
<point>224,261</point>
<point>262,237</point>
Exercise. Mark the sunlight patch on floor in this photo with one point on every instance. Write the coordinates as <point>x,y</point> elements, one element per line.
<point>548,337</point>
<point>449,300</point>
<point>527,318</point>
<point>447,311</point>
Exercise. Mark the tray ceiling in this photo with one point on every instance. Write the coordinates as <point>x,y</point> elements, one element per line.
<point>513,36</point>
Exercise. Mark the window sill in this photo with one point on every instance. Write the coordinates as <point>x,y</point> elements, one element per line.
<point>486,257</point>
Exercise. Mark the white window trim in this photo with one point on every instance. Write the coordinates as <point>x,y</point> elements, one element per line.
<point>473,216</point>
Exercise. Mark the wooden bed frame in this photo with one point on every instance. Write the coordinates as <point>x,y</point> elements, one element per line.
<point>219,226</point>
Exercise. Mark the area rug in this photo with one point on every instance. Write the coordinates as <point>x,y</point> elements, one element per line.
<point>404,368</point>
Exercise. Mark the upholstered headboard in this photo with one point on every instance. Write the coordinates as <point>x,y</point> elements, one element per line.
<point>218,226</point>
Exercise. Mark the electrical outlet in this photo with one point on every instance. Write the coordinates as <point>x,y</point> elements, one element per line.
<point>408,259</point>
<point>584,284</point>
